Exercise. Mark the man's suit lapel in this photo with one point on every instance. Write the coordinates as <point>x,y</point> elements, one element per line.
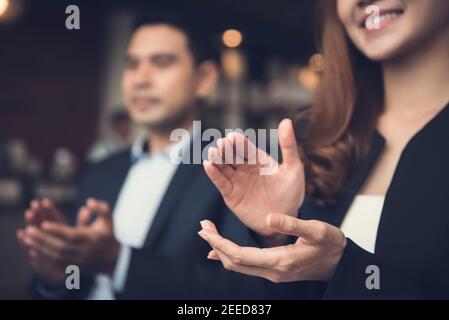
<point>118,179</point>
<point>180,182</point>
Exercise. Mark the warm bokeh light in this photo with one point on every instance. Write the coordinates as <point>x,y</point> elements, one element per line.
<point>234,64</point>
<point>308,78</point>
<point>232,38</point>
<point>316,62</point>
<point>11,10</point>
<point>4,5</point>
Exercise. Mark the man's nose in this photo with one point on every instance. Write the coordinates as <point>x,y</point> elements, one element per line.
<point>144,76</point>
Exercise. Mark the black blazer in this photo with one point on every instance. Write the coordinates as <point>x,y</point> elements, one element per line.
<point>412,245</point>
<point>172,263</point>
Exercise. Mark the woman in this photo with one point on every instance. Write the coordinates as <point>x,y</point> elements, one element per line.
<point>370,178</point>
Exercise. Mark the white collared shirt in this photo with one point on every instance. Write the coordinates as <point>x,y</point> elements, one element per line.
<point>362,220</point>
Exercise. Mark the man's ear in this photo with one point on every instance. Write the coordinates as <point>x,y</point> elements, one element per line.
<point>207,78</point>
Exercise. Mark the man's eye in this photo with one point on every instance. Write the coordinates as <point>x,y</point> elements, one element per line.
<point>131,64</point>
<point>164,61</point>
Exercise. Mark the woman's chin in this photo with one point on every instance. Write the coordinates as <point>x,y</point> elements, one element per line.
<point>382,53</point>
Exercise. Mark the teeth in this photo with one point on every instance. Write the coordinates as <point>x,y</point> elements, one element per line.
<point>389,15</point>
<point>383,17</point>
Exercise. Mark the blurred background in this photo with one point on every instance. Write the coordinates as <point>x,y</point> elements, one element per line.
<point>60,102</point>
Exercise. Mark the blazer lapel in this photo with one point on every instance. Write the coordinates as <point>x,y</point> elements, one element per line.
<point>358,179</point>
<point>118,179</point>
<point>175,191</point>
<point>184,175</point>
<point>107,180</point>
<point>334,213</point>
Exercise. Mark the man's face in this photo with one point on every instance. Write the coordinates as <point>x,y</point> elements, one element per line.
<point>160,81</point>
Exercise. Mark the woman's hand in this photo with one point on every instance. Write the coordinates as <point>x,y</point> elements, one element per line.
<point>314,256</point>
<point>253,184</point>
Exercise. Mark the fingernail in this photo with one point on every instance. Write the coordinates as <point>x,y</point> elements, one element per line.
<point>210,254</point>
<point>204,224</point>
<point>203,234</point>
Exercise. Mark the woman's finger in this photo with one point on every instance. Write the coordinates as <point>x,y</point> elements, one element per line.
<point>223,184</point>
<point>288,144</point>
<point>309,230</point>
<point>265,258</point>
<point>228,264</point>
<point>212,255</point>
<point>215,158</point>
<point>208,225</point>
<point>248,152</point>
<point>238,143</point>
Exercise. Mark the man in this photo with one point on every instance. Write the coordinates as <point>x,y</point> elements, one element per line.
<point>148,247</point>
<point>157,205</point>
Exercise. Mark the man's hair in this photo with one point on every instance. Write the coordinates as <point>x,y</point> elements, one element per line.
<point>198,38</point>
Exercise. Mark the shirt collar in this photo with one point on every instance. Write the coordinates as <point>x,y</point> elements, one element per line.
<point>139,148</point>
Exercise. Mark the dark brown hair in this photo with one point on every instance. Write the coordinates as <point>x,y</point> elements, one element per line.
<point>342,119</point>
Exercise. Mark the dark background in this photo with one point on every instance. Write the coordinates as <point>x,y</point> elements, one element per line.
<point>50,76</point>
<point>51,80</point>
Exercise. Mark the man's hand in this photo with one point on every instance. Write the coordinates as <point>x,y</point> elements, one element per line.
<point>90,246</point>
<point>50,271</point>
<point>42,210</point>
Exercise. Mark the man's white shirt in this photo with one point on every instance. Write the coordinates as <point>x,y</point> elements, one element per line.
<point>137,204</point>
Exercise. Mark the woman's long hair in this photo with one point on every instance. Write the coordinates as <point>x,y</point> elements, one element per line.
<point>342,119</point>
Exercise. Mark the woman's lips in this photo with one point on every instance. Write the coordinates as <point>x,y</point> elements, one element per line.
<point>386,18</point>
